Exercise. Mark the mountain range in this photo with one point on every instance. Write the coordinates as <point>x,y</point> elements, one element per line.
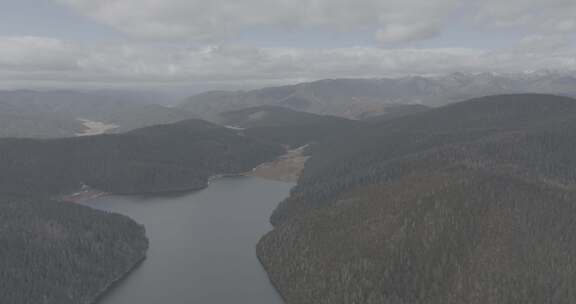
<point>362,98</point>
<point>52,114</point>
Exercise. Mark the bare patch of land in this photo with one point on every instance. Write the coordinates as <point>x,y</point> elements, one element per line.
<point>286,168</point>
<point>83,195</point>
<point>95,127</point>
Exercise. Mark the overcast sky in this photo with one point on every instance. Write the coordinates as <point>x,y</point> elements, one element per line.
<point>237,43</point>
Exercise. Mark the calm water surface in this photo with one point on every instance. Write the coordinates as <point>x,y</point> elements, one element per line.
<point>202,245</point>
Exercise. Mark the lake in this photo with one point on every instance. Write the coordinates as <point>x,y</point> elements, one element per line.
<point>202,244</point>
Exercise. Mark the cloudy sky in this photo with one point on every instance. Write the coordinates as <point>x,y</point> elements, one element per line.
<point>246,43</point>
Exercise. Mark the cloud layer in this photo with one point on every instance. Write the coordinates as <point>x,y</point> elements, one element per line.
<point>392,20</point>
<point>549,16</point>
<point>41,59</point>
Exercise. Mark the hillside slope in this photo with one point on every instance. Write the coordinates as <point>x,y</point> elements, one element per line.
<point>360,98</point>
<point>287,127</point>
<point>466,204</point>
<point>273,116</point>
<point>180,156</point>
<point>59,253</point>
<point>62,253</point>
<point>394,112</point>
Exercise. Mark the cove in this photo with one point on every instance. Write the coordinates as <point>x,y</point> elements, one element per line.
<point>202,244</point>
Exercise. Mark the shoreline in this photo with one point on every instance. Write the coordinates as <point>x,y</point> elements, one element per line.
<point>116,282</point>
<point>268,275</point>
<point>86,194</point>
<point>83,196</point>
<point>285,168</point>
<point>203,212</point>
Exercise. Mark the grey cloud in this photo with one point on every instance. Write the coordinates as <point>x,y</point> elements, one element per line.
<point>37,53</point>
<point>551,16</point>
<point>41,59</point>
<point>393,20</point>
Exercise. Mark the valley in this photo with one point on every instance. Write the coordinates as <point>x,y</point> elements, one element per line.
<point>201,243</point>
<point>393,209</point>
<point>288,152</point>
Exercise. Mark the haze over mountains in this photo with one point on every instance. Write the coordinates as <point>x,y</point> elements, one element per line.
<point>51,114</point>
<point>360,98</point>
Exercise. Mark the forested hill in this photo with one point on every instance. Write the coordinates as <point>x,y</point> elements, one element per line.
<point>179,156</point>
<point>63,253</point>
<point>273,116</point>
<point>287,127</point>
<point>394,112</point>
<point>471,203</point>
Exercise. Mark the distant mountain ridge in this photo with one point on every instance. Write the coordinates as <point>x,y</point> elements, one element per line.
<point>357,98</point>
<point>52,114</point>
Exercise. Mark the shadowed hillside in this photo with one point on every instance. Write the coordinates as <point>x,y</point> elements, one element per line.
<point>394,112</point>
<point>470,203</point>
<point>62,253</point>
<point>287,127</point>
<point>180,156</point>
<point>274,116</point>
